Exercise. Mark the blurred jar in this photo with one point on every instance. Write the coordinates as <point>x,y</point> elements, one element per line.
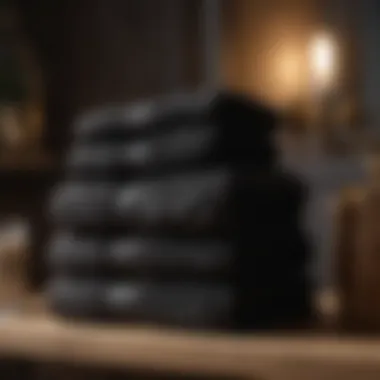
<point>21,94</point>
<point>14,242</point>
<point>357,251</point>
<point>10,126</point>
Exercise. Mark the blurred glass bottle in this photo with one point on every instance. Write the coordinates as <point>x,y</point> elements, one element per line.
<point>357,253</point>
<point>14,243</point>
<point>20,84</point>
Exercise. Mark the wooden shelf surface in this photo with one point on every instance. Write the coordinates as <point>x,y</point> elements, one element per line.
<point>43,337</point>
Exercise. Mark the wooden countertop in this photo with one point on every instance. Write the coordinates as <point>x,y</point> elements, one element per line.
<point>35,334</point>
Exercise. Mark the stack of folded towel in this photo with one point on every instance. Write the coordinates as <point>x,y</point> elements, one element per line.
<point>176,212</point>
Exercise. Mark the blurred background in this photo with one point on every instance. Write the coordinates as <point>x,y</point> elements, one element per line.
<point>315,61</point>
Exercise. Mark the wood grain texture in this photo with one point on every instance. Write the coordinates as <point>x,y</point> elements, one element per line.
<point>38,336</point>
<point>357,258</point>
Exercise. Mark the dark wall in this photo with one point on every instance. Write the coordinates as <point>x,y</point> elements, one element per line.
<point>95,52</point>
<point>99,51</point>
<point>368,20</point>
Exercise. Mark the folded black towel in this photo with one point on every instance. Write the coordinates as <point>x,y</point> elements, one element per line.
<point>187,305</point>
<point>262,260</point>
<point>176,214</point>
<point>186,147</point>
<point>183,304</point>
<point>138,256</point>
<point>171,134</point>
<point>219,201</point>
<point>235,115</point>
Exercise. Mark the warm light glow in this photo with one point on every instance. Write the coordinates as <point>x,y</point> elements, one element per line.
<point>323,56</point>
<point>287,73</point>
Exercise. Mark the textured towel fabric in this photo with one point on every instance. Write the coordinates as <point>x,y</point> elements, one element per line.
<point>140,257</point>
<point>233,116</point>
<point>186,304</point>
<point>173,212</point>
<point>152,137</point>
<point>263,258</point>
<point>186,148</point>
<point>218,202</point>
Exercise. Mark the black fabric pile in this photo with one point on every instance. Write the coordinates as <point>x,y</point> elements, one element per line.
<point>175,212</point>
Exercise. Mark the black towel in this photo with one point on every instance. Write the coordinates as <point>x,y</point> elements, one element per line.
<point>186,147</point>
<point>139,257</point>
<point>173,134</point>
<point>187,305</point>
<point>175,213</point>
<point>261,262</point>
<point>219,201</point>
<point>235,116</point>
